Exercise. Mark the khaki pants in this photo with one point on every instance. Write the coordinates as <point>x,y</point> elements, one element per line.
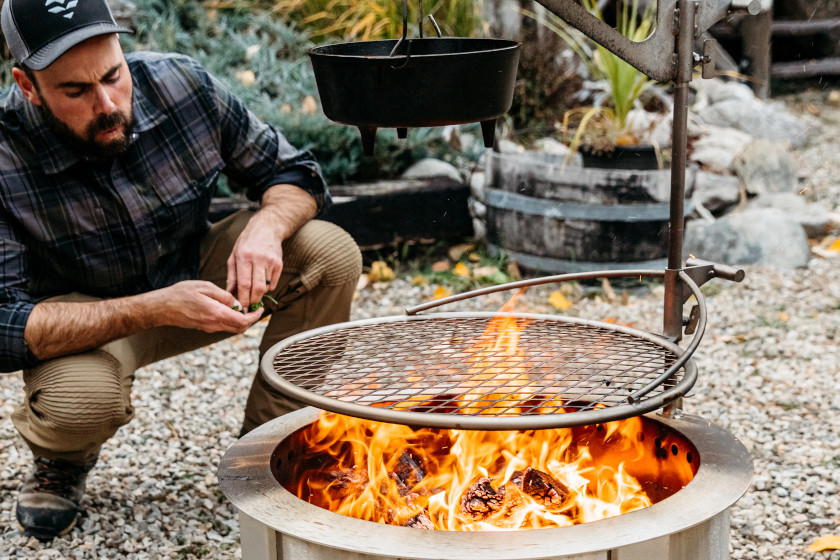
<point>75,403</point>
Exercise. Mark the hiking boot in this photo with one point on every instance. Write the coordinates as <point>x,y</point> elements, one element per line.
<point>48,503</point>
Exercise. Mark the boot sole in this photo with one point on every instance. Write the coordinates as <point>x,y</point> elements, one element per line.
<point>46,538</point>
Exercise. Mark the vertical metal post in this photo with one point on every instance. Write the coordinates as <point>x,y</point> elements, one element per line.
<point>686,11</point>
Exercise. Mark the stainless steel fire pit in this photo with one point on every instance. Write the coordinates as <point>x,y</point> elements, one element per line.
<point>692,524</point>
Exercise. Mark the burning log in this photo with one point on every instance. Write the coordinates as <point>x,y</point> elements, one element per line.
<point>482,500</point>
<point>407,473</point>
<point>420,521</point>
<point>543,488</point>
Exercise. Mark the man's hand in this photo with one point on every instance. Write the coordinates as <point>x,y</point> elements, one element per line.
<point>255,264</point>
<point>60,328</point>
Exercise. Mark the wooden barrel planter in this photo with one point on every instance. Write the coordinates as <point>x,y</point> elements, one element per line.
<point>556,218</point>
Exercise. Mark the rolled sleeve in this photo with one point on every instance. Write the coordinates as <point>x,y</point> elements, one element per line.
<point>14,353</point>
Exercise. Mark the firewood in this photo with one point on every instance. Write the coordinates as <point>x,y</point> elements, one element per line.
<point>407,473</point>
<point>544,488</point>
<point>482,500</point>
<point>420,521</point>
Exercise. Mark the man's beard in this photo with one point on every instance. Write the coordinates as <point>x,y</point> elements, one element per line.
<point>88,143</point>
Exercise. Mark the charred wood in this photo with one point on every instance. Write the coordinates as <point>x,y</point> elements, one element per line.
<point>482,500</point>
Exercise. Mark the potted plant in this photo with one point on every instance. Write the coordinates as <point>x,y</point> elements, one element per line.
<point>549,215</point>
<point>603,133</point>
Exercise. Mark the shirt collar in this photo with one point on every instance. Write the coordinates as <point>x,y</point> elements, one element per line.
<point>56,156</point>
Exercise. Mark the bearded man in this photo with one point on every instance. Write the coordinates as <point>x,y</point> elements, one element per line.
<point>108,262</point>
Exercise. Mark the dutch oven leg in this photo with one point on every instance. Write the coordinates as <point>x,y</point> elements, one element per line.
<point>368,134</point>
<point>488,131</point>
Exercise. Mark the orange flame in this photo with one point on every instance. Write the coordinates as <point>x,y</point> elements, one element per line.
<point>460,480</point>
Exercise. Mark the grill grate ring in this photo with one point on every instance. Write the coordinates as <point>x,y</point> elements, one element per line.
<point>455,370</point>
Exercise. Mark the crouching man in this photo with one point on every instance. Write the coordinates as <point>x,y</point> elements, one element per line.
<point>107,259</point>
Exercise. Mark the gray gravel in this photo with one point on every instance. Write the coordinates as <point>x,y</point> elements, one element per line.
<point>769,372</point>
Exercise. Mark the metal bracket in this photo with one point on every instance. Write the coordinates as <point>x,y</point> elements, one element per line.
<point>701,271</point>
<point>709,59</point>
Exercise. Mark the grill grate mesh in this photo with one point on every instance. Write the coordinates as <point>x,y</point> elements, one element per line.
<point>471,366</point>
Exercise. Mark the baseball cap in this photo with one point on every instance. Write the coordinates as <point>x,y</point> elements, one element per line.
<point>40,31</point>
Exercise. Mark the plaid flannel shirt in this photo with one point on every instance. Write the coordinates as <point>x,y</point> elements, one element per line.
<point>126,225</point>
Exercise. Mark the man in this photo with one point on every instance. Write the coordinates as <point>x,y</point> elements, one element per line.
<point>107,259</point>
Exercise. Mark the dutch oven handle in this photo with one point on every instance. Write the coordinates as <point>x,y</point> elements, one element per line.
<point>405,32</point>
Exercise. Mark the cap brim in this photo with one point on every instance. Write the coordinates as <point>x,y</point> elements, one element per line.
<point>45,56</point>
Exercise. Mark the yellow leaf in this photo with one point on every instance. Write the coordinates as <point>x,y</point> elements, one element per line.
<point>784,316</point>
<point>419,281</point>
<point>441,292</point>
<point>461,270</point>
<point>825,542</point>
<point>380,272</point>
<point>559,301</point>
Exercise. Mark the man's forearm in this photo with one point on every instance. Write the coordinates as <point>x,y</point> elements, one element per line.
<point>289,206</point>
<point>61,328</point>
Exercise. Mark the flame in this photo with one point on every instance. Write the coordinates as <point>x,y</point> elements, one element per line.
<point>461,480</point>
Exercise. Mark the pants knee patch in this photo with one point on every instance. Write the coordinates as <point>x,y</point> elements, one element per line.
<point>79,394</point>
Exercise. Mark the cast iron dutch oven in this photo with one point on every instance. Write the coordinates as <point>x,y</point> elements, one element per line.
<point>424,82</point>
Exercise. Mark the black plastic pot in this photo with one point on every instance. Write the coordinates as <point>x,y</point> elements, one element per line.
<point>621,157</point>
<point>426,82</point>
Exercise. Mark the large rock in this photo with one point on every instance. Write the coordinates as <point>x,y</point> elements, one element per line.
<point>715,148</point>
<point>770,121</point>
<point>766,167</point>
<point>764,236</point>
<point>716,193</point>
<point>431,167</point>
<point>814,218</point>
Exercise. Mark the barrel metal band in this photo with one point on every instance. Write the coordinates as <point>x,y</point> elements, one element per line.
<point>647,212</point>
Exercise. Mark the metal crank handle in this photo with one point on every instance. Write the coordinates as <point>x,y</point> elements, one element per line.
<point>725,271</point>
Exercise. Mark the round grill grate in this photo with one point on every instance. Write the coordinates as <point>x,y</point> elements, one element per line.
<point>480,370</point>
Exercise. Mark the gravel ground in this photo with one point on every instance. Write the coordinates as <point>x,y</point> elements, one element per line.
<point>769,372</point>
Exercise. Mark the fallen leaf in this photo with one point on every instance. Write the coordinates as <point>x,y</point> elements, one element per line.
<point>457,251</point>
<point>419,280</point>
<point>285,108</point>
<point>363,282</point>
<point>474,257</point>
<point>440,266</point>
<point>441,292</point>
<point>380,272</point>
<point>827,248</point>
<point>461,270</point>
<point>825,542</point>
<point>559,301</point>
<point>309,105</point>
<point>784,316</point>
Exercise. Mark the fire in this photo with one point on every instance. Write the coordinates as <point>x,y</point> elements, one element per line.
<point>461,480</point>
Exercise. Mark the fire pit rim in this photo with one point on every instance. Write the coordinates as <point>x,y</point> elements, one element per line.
<point>246,480</point>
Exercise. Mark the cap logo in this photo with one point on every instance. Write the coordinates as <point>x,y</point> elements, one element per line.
<point>61,8</point>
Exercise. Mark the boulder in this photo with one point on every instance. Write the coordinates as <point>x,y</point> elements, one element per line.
<point>716,147</point>
<point>431,167</point>
<point>766,167</point>
<point>814,218</point>
<point>716,193</point>
<point>770,121</point>
<point>765,236</point>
